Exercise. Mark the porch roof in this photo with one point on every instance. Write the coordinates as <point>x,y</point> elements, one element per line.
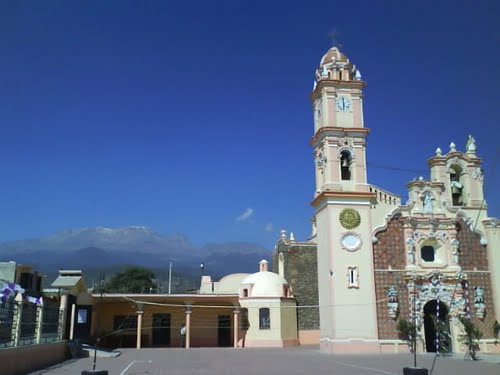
<point>172,299</point>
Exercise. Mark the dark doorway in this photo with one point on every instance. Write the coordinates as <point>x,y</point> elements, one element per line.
<point>224,331</point>
<point>83,322</point>
<point>434,325</point>
<point>161,329</point>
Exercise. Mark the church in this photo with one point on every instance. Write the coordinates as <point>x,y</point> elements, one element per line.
<point>372,260</point>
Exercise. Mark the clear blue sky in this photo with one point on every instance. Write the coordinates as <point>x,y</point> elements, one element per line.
<point>181,116</point>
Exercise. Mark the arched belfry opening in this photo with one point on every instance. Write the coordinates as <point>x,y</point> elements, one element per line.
<point>436,326</point>
<point>345,165</point>
<point>456,185</point>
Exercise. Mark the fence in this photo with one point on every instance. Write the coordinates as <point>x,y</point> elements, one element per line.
<point>50,322</point>
<point>6,320</point>
<point>25,323</point>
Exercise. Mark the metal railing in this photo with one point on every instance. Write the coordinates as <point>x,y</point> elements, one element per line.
<point>6,322</point>
<point>26,323</point>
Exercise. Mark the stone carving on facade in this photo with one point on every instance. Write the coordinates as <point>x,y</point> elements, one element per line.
<point>410,242</point>
<point>477,173</point>
<point>320,160</point>
<point>435,286</point>
<point>347,142</point>
<point>470,147</point>
<point>349,218</point>
<point>479,304</point>
<point>454,250</point>
<point>439,235</point>
<point>427,199</point>
<point>392,301</point>
<point>351,241</point>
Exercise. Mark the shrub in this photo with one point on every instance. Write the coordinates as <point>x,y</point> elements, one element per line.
<point>407,331</point>
<point>471,337</point>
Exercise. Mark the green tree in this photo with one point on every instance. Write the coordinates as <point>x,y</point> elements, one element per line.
<point>131,280</point>
<point>442,334</point>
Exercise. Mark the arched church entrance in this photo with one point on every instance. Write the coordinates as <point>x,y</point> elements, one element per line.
<point>436,324</point>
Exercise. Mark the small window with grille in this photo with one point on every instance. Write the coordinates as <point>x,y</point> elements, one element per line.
<point>264,318</point>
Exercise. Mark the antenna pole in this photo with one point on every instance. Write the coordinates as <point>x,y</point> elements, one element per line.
<point>170,277</point>
<point>415,320</point>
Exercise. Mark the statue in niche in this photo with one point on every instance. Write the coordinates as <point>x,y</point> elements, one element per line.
<point>411,250</point>
<point>479,305</point>
<point>479,298</point>
<point>427,199</point>
<point>392,301</point>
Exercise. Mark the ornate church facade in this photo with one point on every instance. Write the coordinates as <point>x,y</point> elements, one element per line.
<point>430,261</point>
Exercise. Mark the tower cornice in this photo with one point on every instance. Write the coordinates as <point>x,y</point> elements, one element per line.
<point>334,131</point>
<point>335,83</point>
<point>343,195</point>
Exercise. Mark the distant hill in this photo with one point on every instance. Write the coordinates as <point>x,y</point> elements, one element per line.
<point>97,250</point>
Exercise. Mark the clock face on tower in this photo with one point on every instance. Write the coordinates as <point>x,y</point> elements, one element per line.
<point>343,103</point>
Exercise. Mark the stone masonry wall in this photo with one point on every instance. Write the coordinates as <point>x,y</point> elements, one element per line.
<point>300,265</point>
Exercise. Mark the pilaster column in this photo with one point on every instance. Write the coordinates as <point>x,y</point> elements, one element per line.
<point>63,305</point>
<point>188,326</point>
<point>236,328</point>
<point>140,313</point>
<point>492,232</point>
<point>39,323</point>
<point>16,322</point>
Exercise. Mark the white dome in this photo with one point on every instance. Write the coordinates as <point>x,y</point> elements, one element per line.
<point>265,284</point>
<point>229,284</point>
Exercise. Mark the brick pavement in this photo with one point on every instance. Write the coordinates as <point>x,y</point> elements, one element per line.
<point>294,361</point>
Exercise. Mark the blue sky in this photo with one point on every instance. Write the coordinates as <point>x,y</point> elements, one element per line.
<point>195,117</point>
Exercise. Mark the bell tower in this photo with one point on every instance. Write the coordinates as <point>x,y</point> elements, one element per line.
<point>342,202</point>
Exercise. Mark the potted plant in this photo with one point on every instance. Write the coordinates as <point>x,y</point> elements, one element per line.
<point>470,338</point>
<point>496,331</point>
<point>408,332</point>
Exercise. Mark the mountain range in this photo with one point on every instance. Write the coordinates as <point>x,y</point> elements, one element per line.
<point>112,249</point>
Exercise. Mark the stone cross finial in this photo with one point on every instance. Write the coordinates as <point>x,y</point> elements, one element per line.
<point>470,147</point>
<point>334,37</point>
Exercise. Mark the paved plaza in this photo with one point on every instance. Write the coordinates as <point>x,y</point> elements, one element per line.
<point>222,361</point>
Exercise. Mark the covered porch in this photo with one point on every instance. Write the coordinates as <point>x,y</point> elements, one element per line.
<point>155,320</point>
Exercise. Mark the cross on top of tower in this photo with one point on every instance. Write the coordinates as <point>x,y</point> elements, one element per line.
<point>334,37</point>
